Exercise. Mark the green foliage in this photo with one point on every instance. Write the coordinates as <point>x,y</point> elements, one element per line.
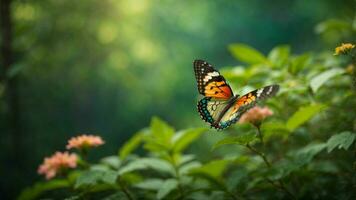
<point>130,145</point>
<point>342,140</point>
<point>146,163</point>
<point>184,138</point>
<point>117,195</point>
<point>279,55</point>
<point>166,187</point>
<point>241,140</point>
<point>317,81</point>
<point>298,63</point>
<point>275,128</point>
<point>306,154</point>
<point>159,137</point>
<point>111,161</point>
<point>150,184</point>
<point>247,54</point>
<point>38,189</point>
<point>214,168</point>
<point>303,115</point>
<point>332,25</point>
<point>290,155</point>
<point>94,177</point>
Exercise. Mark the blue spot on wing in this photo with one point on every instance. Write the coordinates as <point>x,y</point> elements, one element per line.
<point>203,110</point>
<point>206,115</point>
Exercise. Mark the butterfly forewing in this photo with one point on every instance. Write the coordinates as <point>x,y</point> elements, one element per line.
<point>210,82</point>
<point>246,102</point>
<point>220,107</point>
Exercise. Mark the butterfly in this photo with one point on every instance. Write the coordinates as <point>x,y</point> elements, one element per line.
<point>220,107</point>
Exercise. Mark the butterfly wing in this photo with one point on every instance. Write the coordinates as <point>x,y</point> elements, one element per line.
<point>210,110</point>
<point>210,82</point>
<point>244,103</point>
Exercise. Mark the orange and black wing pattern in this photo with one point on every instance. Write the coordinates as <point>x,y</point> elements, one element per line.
<point>251,98</point>
<point>244,103</point>
<point>210,82</point>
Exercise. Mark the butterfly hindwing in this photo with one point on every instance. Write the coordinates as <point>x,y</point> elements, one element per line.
<point>220,107</point>
<point>246,102</point>
<point>222,114</point>
<point>210,109</point>
<point>210,82</point>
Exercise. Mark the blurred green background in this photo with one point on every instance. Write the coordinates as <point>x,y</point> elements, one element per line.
<point>106,67</point>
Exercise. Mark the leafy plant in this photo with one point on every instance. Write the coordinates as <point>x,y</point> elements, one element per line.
<point>305,150</point>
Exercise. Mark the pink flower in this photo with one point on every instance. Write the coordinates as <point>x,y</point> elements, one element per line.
<point>56,163</point>
<point>255,115</point>
<point>84,142</point>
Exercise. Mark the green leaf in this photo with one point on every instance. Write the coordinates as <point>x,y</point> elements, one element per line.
<point>342,140</point>
<point>132,166</point>
<point>279,55</point>
<point>332,25</point>
<point>302,115</point>
<point>213,181</point>
<point>299,159</point>
<point>154,145</point>
<point>246,54</point>
<point>213,168</point>
<point>73,175</point>
<point>150,184</point>
<point>117,195</point>
<point>324,166</point>
<point>317,81</point>
<point>236,177</point>
<point>166,188</point>
<point>38,189</point>
<point>274,128</point>
<point>146,163</point>
<point>240,140</point>
<point>188,167</point>
<point>76,197</point>
<point>306,154</point>
<point>100,167</point>
<point>160,137</point>
<point>111,161</point>
<point>161,129</point>
<point>94,177</point>
<point>183,138</point>
<point>299,63</point>
<point>185,158</point>
<point>131,145</point>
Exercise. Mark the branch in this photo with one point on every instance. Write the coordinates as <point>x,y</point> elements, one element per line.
<point>124,189</point>
<point>176,171</point>
<point>280,184</point>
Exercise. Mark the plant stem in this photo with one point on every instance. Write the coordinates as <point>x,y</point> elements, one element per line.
<point>262,155</point>
<point>84,158</point>
<point>176,171</point>
<point>280,184</point>
<point>281,187</point>
<point>259,134</point>
<point>232,195</point>
<point>181,192</point>
<point>124,189</point>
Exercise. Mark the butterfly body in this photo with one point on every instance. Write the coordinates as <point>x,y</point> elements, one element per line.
<point>219,107</point>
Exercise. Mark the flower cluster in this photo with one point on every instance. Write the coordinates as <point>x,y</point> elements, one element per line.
<point>84,142</point>
<point>255,115</point>
<point>56,163</point>
<point>59,161</point>
<point>344,48</point>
